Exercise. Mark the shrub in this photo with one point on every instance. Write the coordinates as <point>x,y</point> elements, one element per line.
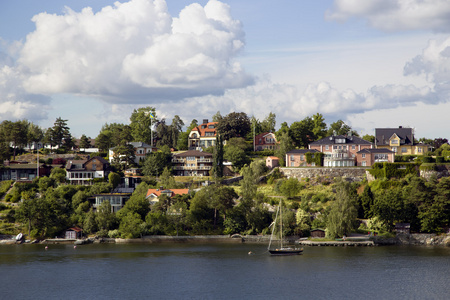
<point>427,159</point>
<point>440,159</point>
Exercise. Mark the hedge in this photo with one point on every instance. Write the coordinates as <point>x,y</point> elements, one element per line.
<point>390,170</point>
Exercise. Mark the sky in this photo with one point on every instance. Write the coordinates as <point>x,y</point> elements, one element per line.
<point>372,63</point>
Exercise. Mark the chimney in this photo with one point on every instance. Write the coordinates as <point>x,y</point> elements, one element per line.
<point>400,126</point>
<point>205,121</point>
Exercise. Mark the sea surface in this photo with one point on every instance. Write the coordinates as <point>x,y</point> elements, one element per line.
<point>222,271</point>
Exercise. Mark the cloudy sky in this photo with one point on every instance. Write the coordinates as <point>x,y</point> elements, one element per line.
<point>372,63</point>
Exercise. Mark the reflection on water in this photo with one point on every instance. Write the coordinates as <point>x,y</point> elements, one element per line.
<point>222,271</point>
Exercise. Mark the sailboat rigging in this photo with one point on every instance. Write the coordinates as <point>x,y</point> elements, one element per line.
<point>282,250</point>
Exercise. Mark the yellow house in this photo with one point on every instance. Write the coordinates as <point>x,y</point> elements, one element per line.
<point>399,140</point>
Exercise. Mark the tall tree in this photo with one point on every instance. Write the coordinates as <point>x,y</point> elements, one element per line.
<point>35,134</point>
<point>285,146</point>
<point>217,168</point>
<point>85,142</point>
<point>302,132</point>
<point>234,125</point>
<point>268,124</point>
<point>141,120</point>
<point>340,128</point>
<point>183,137</point>
<point>344,211</point>
<point>217,117</point>
<point>320,127</point>
<point>60,132</point>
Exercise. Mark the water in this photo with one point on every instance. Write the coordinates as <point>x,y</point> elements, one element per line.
<point>222,271</point>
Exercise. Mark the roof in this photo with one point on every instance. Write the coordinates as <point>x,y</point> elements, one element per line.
<point>383,135</point>
<point>302,151</point>
<point>376,150</point>
<point>202,131</point>
<point>158,192</point>
<point>273,157</point>
<point>336,139</point>
<point>195,153</point>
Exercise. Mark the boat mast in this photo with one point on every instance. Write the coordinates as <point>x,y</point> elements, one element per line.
<point>281,227</point>
<point>274,224</point>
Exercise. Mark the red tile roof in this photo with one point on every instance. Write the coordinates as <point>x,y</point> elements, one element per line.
<point>172,192</point>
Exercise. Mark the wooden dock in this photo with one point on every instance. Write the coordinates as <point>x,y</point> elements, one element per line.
<point>337,243</point>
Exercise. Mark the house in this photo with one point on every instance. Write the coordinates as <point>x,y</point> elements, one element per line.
<point>154,194</point>
<point>73,233</point>
<point>92,149</point>
<point>272,162</point>
<point>83,172</point>
<point>340,150</point>
<point>368,157</point>
<point>400,140</point>
<point>140,151</point>
<point>116,200</point>
<point>202,136</point>
<point>403,228</point>
<point>192,163</point>
<point>23,171</point>
<point>265,141</point>
<point>297,158</point>
<point>317,233</point>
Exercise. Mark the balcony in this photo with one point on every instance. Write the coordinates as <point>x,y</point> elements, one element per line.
<point>192,168</point>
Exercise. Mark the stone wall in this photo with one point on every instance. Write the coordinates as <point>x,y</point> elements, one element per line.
<point>324,173</point>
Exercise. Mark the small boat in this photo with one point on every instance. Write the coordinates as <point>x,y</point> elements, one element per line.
<point>281,250</point>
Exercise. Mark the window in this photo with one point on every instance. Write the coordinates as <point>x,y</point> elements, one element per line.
<point>292,164</point>
<point>363,155</point>
<point>394,142</point>
<point>353,147</point>
<point>394,149</point>
<point>292,158</point>
<point>302,157</point>
<point>203,126</point>
<point>211,126</point>
<point>419,149</point>
<point>94,167</point>
<point>404,150</point>
<point>190,158</point>
<point>363,163</point>
<point>327,147</point>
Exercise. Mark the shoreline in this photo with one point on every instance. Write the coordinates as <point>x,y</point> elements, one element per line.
<point>400,239</point>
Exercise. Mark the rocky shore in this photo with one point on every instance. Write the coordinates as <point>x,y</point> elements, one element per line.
<point>400,239</point>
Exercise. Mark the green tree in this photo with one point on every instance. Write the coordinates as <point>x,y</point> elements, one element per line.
<point>114,179</point>
<point>141,120</point>
<point>60,133</point>
<point>302,133</point>
<point>369,138</point>
<point>105,218</point>
<point>344,211</point>
<point>217,117</point>
<point>236,156</point>
<point>320,127</point>
<point>290,187</point>
<point>35,134</point>
<point>183,137</point>
<point>268,124</point>
<point>123,156</point>
<point>131,225</point>
<point>234,125</point>
<point>285,146</point>
<point>155,162</point>
<point>85,142</point>
<point>217,168</point>
<point>340,128</point>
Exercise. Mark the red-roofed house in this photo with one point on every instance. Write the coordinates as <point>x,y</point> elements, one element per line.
<point>265,141</point>
<point>154,194</point>
<point>202,136</point>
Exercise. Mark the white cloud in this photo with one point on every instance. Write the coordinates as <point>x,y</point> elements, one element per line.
<point>135,48</point>
<point>393,15</point>
<point>15,102</point>
<point>434,63</point>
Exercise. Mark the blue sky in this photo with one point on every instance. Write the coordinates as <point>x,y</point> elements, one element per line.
<point>377,63</point>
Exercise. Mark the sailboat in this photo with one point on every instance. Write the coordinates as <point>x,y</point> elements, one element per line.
<point>282,250</point>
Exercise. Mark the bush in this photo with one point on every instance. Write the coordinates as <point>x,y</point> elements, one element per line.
<point>440,159</point>
<point>427,159</point>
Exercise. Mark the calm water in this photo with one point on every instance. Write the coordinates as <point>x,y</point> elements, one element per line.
<point>222,271</point>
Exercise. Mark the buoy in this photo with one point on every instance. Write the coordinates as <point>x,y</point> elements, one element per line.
<point>46,247</point>
<point>250,253</point>
<point>74,247</point>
